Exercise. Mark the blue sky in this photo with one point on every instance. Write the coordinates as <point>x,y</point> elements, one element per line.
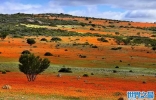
<point>133,10</point>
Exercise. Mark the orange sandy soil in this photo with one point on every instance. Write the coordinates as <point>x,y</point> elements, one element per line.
<point>69,85</point>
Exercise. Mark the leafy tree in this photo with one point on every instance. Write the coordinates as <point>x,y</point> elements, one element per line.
<point>31,41</point>
<point>32,65</point>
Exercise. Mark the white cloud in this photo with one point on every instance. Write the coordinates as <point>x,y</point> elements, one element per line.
<point>12,7</point>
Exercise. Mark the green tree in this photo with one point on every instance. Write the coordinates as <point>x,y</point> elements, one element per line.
<point>32,65</point>
<point>31,41</point>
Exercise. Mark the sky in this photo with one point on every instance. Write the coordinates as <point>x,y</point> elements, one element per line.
<point>131,10</point>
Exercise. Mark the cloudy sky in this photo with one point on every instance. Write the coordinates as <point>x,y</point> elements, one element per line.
<point>133,10</point>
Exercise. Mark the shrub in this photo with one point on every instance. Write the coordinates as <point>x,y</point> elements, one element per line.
<point>102,39</point>
<point>48,54</point>
<point>117,33</point>
<point>92,73</point>
<point>92,29</point>
<point>31,41</point>
<point>118,48</point>
<point>114,71</point>
<point>85,75</point>
<point>34,46</point>
<point>3,72</point>
<point>131,71</point>
<point>82,56</point>
<point>154,48</point>
<point>43,39</point>
<point>26,52</point>
<point>65,70</point>
<point>117,67</point>
<point>144,82</point>
<point>94,46</point>
<point>56,39</point>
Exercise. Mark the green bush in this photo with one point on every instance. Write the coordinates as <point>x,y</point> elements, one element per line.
<point>102,39</point>
<point>117,67</point>
<point>82,56</point>
<point>31,41</point>
<point>56,39</point>
<point>85,75</point>
<point>26,52</point>
<point>94,46</point>
<point>118,48</point>
<point>114,71</point>
<point>48,54</point>
<point>43,39</point>
<point>65,70</point>
<point>92,29</point>
<point>3,72</point>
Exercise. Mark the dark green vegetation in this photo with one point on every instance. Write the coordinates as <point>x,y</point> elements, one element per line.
<point>48,54</point>
<point>65,70</point>
<point>32,65</point>
<point>31,41</point>
<point>56,39</point>
<point>25,52</point>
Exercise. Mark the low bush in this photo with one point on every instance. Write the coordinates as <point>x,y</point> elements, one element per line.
<point>118,48</point>
<point>94,46</point>
<point>48,54</point>
<point>85,75</point>
<point>56,39</point>
<point>117,67</point>
<point>82,56</point>
<point>65,70</point>
<point>3,72</point>
<point>26,52</point>
<point>114,71</point>
<point>92,29</point>
<point>43,39</point>
<point>154,48</point>
<point>131,71</point>
<point>102,39</point>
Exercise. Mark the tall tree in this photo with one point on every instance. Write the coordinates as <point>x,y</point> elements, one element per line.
<point>32,65</point>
